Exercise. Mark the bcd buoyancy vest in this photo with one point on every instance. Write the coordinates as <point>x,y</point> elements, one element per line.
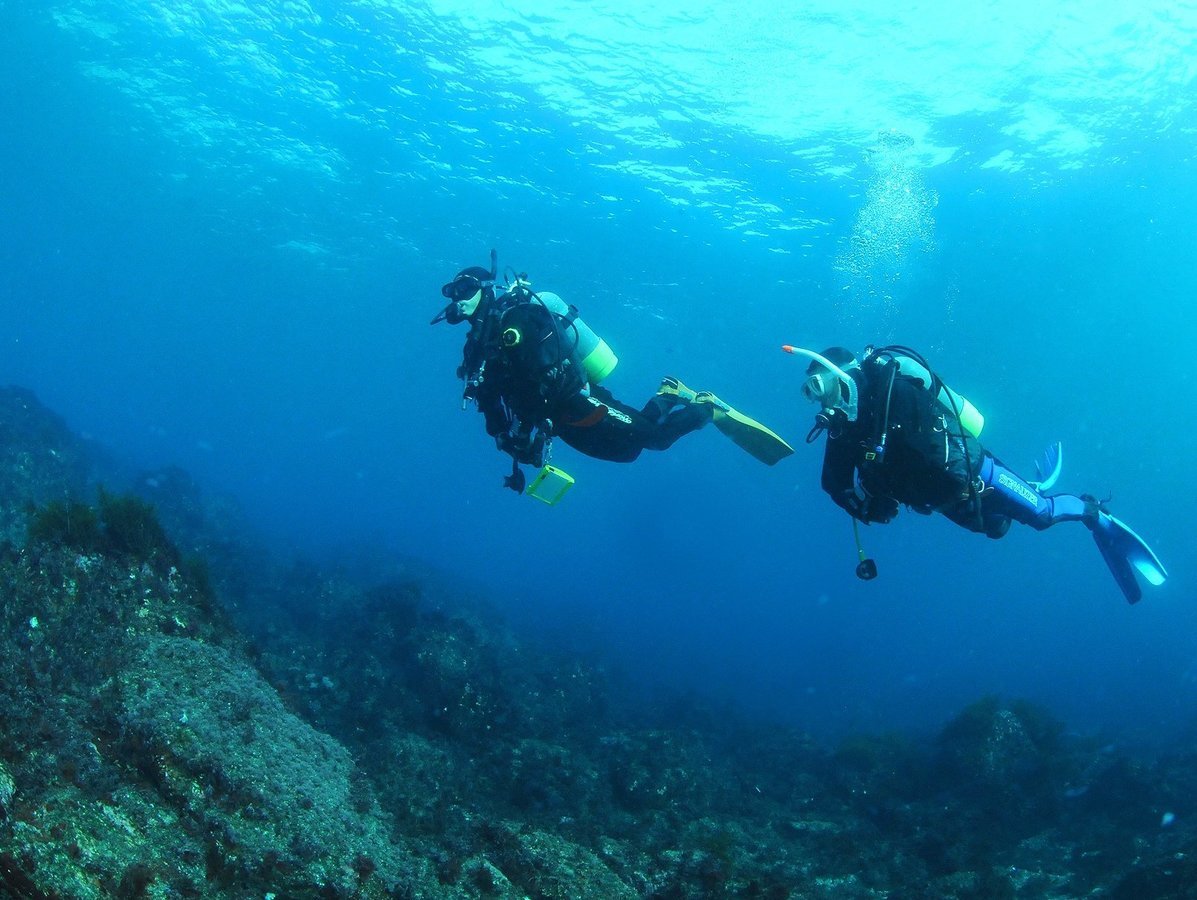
<point>537,362</point>
<point>597,358</point>
<point>948,413</point>
<point>534,345</point>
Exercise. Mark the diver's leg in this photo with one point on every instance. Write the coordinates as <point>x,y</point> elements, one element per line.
<point>682,420</point>
<point>622,432</point>
<point>1124,551</point>
<point>1007,494</point>
<point>976,514</point>
<point>669,396</point>
<point>600,426</point>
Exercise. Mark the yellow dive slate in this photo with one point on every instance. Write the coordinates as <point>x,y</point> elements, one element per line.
<point>550,485</point>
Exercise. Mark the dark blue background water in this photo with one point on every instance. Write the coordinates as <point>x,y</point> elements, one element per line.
<point>223,232</point>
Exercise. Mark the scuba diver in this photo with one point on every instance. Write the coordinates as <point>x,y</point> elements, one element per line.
<point>897,435</point>
<point>533,368</point>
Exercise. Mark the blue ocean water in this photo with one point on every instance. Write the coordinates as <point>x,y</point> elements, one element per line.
<point>224,228</point>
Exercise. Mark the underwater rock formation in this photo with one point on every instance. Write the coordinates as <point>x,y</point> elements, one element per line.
<point>180,716</point>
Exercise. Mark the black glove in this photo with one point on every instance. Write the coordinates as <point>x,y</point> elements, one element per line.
<point>870,509</point>
<point>514,445</point>
<point>528,449</point>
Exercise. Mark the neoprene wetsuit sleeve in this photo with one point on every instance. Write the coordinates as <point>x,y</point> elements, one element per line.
<point>839,466</point>
<point>490,404</point>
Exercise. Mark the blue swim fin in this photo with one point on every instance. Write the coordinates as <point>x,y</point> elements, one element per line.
<point>1049,468</point>
<point>1126,553</point>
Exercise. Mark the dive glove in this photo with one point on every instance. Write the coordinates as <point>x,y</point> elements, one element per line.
<point>870,509</point>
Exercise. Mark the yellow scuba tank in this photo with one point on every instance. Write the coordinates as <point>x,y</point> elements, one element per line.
<point>970,417</point>
<point>597,357</point>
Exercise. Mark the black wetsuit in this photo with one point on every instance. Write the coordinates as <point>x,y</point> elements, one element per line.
<point>929,463</point>
<point>928,460</point>
<point>596,423</point>
<point>542,380</point>
<point>603,427</point>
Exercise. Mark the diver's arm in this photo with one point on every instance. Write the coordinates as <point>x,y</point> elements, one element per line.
<point>839,480</point>
<point>838,469</point>
<point>490,404</point>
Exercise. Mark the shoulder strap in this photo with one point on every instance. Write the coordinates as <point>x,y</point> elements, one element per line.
<point>879,384</point>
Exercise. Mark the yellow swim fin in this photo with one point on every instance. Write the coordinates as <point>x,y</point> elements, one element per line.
<point>746,432</point>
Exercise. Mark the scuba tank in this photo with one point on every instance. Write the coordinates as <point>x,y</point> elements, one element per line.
<point>911,364</point>
<point>598,359</point>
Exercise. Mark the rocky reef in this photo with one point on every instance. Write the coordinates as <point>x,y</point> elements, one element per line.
<point>181,716</point>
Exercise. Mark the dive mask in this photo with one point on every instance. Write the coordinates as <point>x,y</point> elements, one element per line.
<point>822,388</point>
<point>826,382</point>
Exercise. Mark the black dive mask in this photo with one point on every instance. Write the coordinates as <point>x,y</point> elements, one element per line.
<point>460,292</point>
<point>454,314</point>
<point>463,287</point>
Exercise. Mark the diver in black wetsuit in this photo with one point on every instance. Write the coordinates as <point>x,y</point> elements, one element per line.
<point>897,435</point>
<point>533,367</point>
<point>892,440</point>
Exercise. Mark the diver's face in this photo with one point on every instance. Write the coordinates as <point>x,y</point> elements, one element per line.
<point>464,293</point>
<point>462,310</point>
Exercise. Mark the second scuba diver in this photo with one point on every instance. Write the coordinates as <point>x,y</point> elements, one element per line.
<point>897,435</point>
<point>533,368</point>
